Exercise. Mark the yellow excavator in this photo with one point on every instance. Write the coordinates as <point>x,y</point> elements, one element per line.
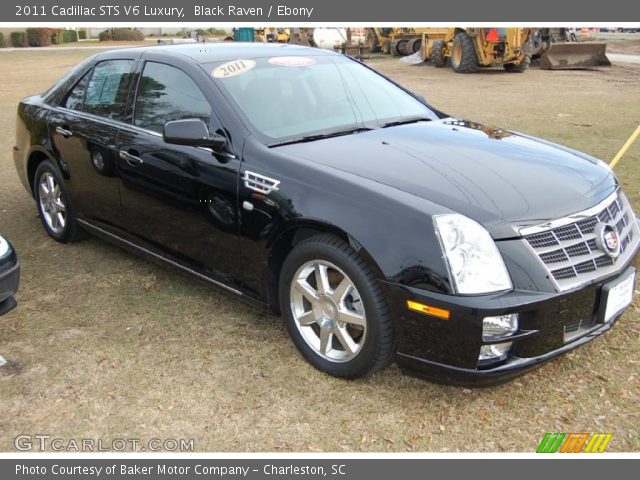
<point>469,49</point>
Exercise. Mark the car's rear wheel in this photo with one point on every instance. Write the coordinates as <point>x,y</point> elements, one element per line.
<point>53,203</point>
<point>335,309</point>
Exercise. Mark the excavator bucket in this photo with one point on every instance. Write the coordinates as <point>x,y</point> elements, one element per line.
<point>575,56</point>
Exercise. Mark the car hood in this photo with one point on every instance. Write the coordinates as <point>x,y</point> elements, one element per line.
<point>499,178</point>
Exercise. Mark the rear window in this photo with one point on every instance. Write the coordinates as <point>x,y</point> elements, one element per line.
<point>108,89</point>
<point>75,97</point>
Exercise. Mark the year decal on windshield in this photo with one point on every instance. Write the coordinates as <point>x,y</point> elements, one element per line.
<point>234,68</point>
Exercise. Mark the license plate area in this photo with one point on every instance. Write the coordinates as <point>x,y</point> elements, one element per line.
<point>615,296</point>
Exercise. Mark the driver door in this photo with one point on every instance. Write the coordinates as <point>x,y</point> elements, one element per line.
<point>178,199</point>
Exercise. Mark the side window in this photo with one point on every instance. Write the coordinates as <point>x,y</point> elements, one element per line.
<point>167,93</point>
<point>75,96</point>
<point>107,91</point>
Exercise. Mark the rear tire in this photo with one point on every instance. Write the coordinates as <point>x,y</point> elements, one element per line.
<point>372,40</point>
<point>518,67</point>
<point>397,47</point>
<point>437,54</point>
<point>463,54</point>
<point>335,309</point>
<point>54,206</point>
<point>414,45</point>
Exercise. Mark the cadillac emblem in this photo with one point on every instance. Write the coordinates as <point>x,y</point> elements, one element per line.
<point>607,239</point>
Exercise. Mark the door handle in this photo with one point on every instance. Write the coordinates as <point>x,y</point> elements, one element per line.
<point>66,133</point>
<point>131,159</point>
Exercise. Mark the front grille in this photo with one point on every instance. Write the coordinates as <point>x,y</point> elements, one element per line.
<point>568,249</point>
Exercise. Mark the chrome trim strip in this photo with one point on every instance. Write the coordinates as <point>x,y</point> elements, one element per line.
<point>160,257</point>
<point>575,217</point>
<point>131,126</point>
<point>108,121</point>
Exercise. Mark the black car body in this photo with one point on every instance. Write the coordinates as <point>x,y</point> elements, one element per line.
<point>9,276</point>
<point>231,209</point>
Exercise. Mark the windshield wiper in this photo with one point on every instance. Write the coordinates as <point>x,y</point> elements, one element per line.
<point>405,121</point>
<point>321,136</point>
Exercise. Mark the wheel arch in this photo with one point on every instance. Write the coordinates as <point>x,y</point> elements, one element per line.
<point>35,158</point>
<point>288,237</point>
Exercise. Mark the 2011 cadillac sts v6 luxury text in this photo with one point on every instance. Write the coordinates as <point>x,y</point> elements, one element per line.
<point>379,227</point>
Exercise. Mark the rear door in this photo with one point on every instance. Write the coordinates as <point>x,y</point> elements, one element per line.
<point>180,199</point>
<point>84,132</point>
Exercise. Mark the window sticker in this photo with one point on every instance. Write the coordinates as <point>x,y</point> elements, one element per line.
<point>234,68</point>
<point>292,61</point>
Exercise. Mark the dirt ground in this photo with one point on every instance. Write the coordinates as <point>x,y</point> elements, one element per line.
<point>627,43</point>
<point>106,345</point>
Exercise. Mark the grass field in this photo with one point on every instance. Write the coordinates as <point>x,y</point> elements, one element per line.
<point>106,345</point>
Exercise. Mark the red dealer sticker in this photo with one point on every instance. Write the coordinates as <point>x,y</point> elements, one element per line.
<point>292,61</point>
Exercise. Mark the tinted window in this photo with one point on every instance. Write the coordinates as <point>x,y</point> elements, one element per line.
<point>76,96</point>
<point>166,93</point>
<point>108,88</point>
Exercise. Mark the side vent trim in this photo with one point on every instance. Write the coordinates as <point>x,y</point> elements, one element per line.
<point>259,183</point>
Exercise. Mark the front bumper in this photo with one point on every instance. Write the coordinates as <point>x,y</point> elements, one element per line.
<point>9,281</point>
<point>447,351</point>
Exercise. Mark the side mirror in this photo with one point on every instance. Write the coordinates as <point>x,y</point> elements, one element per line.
<point>192,132</point>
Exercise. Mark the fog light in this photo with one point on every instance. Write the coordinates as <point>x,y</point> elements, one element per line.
<point>497,328</point>
<point>497,351</point>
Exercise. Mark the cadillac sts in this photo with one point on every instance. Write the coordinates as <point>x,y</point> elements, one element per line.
<point>379,227</point>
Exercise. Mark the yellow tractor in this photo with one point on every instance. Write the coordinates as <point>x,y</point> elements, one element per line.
<point>469,49</point>
<point>394,41</point>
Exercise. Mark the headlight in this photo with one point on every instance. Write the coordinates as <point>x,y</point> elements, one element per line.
<point>5,249</point>
<point>474,261</point>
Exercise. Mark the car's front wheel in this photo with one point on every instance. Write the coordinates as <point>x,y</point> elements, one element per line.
<point>53,204</point>
<point>335,309</point>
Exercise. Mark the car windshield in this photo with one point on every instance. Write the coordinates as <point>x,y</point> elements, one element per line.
<point>289,99</point>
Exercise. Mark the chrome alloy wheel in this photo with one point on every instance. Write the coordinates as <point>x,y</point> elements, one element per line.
<point>328,311</point>
<point>52,206</point>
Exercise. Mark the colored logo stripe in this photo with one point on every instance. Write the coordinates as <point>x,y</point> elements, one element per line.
<point>574,443</point>
<point>598,442</point>
<point>561,442</point>
<point>550,442</point>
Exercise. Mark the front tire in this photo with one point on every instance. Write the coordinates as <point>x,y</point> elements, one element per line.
<point>463,54</point>
<point>54,206</point>
<point>335,309</point>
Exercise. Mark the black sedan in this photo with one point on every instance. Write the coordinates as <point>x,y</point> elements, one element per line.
<point>9,276</point>
<point>379,227</point>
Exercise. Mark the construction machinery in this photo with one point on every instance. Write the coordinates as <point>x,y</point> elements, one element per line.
<point>559,49</point>
<point>468,49</point>
<point>394,41</point>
